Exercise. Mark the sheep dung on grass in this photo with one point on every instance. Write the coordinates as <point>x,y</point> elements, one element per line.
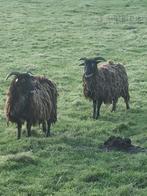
<point>104,83</point>
<point>31,99</point>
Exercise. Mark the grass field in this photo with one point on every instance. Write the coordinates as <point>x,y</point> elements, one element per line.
<point>47,37</point>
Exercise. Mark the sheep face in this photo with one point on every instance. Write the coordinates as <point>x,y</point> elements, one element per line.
<point>23,84</point>
<point>20,88</point>
<point>90,67</point>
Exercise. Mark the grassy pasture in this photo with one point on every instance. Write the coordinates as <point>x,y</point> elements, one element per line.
<point>47,37</point>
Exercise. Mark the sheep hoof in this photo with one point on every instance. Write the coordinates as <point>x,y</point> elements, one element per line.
<point>96,117</point>
<point>48,134</point>
<point>29,135</point>
<point>128,107</point>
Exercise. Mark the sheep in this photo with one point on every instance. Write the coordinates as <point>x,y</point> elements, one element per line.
<point>31,99</point>
<point>104,83</point>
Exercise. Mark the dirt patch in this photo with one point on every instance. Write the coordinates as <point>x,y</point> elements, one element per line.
<point>121,144</point>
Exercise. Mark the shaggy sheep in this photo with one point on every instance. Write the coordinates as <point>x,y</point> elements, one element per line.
<point>33,100</point>
<point>104,83</point>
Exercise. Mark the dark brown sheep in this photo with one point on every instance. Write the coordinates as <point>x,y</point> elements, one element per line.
<point>104,83</point>
<point>33,100</point>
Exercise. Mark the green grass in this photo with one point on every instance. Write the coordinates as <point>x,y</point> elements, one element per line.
<point>48,37</point>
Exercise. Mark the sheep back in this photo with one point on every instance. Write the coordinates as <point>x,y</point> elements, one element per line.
<point>110,82</point>
<point>44,96</point>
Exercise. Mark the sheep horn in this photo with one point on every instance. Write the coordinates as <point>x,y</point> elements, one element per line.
<point>83,59</point>
<point>29,73</point>
<point>82,64</point>
<point>12,74</point>
<point>99,59</point>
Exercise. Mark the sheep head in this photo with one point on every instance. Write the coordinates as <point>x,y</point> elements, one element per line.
<point>90,69</point>
<point>90,65</point>
<point>22,81</point>
<point>20,88</point>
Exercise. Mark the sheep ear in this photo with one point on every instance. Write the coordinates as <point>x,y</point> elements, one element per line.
<point>83,59</point>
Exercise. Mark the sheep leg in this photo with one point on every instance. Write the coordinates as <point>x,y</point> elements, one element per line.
<point>19,126</point>
<point>48,129</point>
<point>29,128</point>
<point>99,103</point>
<point>94,109</point>
<point>126,100</point>
<point>44,127</point>
<point>127,103</point>
<point>114,105</point>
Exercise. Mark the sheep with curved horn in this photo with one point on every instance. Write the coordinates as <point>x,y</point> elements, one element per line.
<point>104,83</point>
<point>33,100</point>
<point>12,74</point>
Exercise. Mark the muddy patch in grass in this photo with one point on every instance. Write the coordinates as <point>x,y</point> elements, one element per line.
<point>121,144</point>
